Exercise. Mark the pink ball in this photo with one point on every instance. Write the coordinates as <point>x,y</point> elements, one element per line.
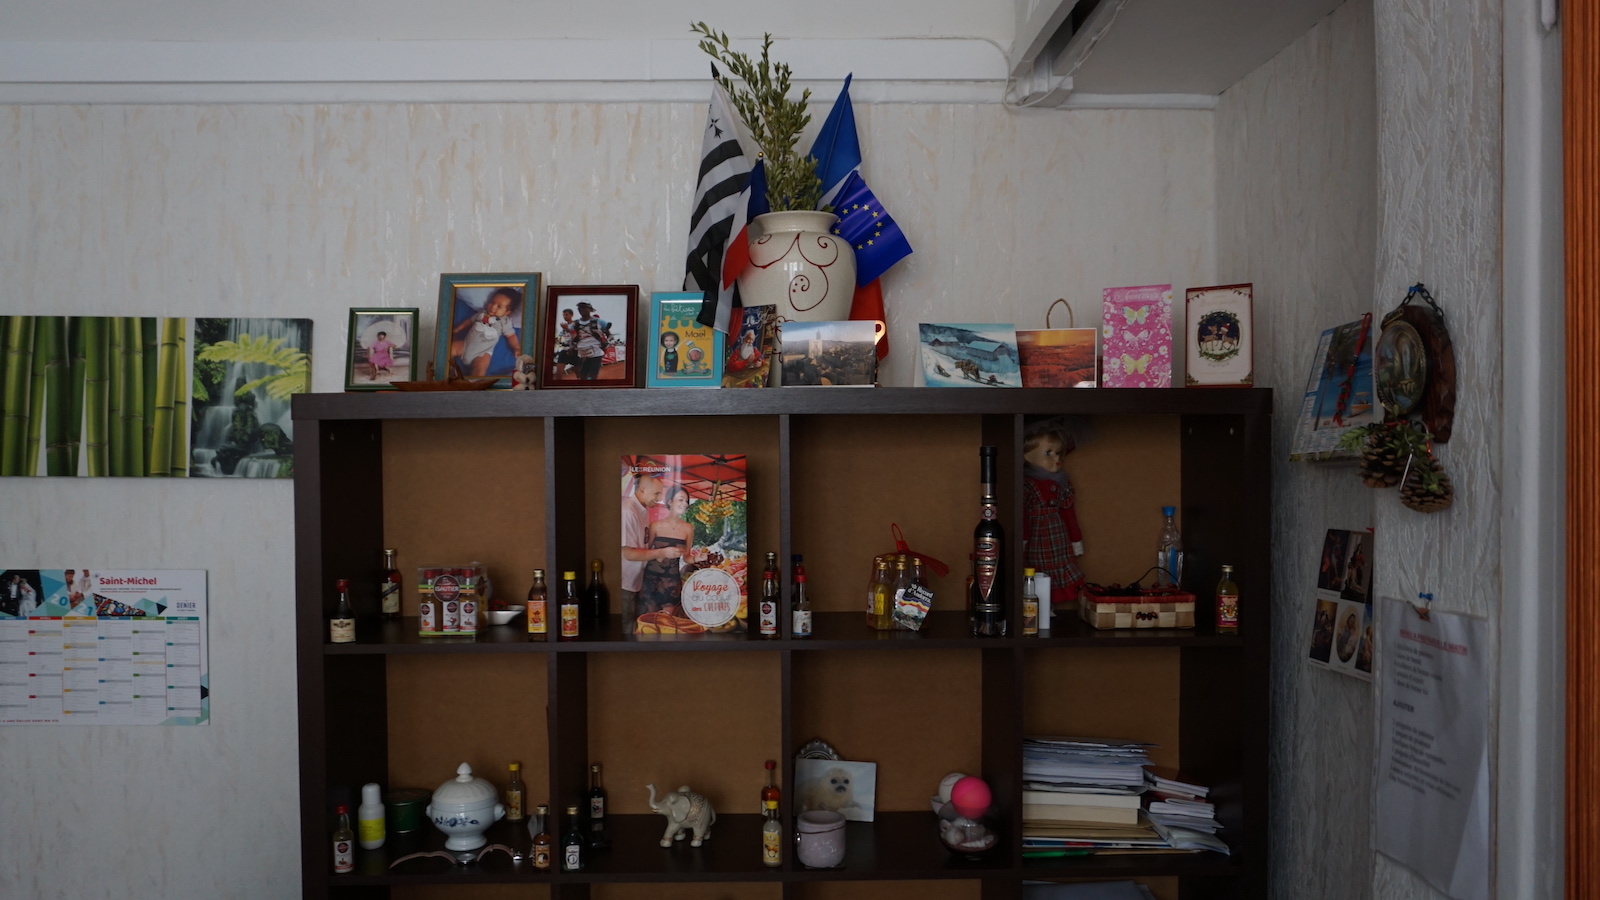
<point>971,797</point>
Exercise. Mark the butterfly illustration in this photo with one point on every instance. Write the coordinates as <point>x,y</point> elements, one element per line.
<point>1139,338</point>
<point>1135,366</point>
<point>1136,316</point>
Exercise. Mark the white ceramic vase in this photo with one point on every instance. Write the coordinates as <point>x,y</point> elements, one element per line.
<point>800,266</point>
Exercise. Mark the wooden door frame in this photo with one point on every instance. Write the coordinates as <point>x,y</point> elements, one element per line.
<point>1580,72</point>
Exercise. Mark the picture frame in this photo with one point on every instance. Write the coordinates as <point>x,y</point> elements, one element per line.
<point>694,359</point>
<point>364,364</point>
<point>1221,336</point>
<point>578,354</point>
<point>498,338</point>
<point>1059,357</point>
<point>837,785</point>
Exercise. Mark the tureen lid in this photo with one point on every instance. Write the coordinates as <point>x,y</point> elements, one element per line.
<point>464,790</point>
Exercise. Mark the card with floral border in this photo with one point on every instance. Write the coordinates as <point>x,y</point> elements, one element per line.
<point>1221,336</point>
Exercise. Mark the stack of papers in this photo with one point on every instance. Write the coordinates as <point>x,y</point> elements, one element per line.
<point>1076,762</point>
<point>1084,795</point>
<point>1178,809</point>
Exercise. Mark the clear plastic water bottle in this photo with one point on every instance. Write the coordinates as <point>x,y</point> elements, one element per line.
<point>1169,551</point>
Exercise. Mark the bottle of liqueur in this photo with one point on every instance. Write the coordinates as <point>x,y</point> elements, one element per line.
<point>986,593</point>
<point>599,839</point>
<point>771,829</point>
<point>342,625</point>
<point>879,590</point>
<point>801,627</point>
<point>515,792</point>
<point>389,588</point>
<point>770,601</point>
<point>574,852</point>
<point>901,582</point>
<point>569,606</point>
<point>428,605</point>
<point>596,599</point>
<point>1030,605</point>
<point>542,842</point>
<point>344,841</point>
<point>1227,603</point>
<point>538,605</point>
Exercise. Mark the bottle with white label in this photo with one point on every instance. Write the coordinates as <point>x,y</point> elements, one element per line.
<point>342,625</point>
<point>769,597</point>
<point>573,846</point>
<point>344,843</point>
<point>369,818</point>
<point>448,590</point>
<point>802,605</point>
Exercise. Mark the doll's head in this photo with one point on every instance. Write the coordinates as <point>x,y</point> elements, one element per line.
<point>1046,444</point>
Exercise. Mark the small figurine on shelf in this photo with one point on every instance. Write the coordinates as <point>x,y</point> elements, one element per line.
<point>1050,531</point>
<point>685,811</point>
<point>964,807</point>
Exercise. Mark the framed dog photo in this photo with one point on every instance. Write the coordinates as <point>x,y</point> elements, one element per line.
<point>848,788</point>
<point>682,352</point>
<point>381,349</point>
<point>588,336</point>
<point>485,323</point>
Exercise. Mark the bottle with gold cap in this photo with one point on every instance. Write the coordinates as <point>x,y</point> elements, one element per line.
<point>569,606</point>
<point>1030,605</point>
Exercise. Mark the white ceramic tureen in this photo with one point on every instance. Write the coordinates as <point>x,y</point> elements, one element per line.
<point>464,808</point>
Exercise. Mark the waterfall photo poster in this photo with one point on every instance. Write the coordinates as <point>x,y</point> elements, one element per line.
<point>245,371</point>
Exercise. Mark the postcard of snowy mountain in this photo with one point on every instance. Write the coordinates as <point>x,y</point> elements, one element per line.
<point>969,355</point>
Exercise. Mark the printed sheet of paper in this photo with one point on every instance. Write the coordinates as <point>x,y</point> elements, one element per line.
<point>1433,748</point>
<point>103,647</point>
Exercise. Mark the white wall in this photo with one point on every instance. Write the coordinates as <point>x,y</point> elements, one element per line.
<point>334,20</point>
<point>307,210</point>
<point>1296,214</point>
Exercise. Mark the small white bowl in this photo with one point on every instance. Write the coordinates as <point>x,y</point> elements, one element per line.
<point>504,616</point>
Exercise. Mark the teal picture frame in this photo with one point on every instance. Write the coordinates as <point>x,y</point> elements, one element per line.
<point>464,297</point>
<point>685,363</point>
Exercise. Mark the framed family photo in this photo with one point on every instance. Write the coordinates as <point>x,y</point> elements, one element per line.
<point>588,336</point>
<point>485,323</point>
<point>381,349</point>
<point>683,352</point>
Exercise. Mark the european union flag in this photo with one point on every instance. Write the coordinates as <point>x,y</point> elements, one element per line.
<point>876,238</point>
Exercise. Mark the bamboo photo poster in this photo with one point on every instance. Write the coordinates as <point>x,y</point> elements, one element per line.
<point>146,396</point>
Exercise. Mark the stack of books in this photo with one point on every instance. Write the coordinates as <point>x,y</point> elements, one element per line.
<point>1083,796</point>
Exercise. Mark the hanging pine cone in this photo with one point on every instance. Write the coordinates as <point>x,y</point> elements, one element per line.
<point>1382,463</point>
<point>1427,488</point>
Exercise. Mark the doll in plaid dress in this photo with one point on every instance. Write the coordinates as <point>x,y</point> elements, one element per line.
<point>1053,541</point>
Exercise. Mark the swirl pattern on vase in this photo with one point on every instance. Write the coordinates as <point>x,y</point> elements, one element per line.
<point>807,272</point>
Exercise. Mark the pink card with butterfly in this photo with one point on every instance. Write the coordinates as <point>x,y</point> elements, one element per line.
<point>1136,332</point>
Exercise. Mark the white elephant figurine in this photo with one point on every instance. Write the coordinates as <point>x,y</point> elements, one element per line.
<point>685,810</point>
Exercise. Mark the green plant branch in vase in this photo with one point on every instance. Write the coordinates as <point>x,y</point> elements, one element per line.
<point>761,98</point>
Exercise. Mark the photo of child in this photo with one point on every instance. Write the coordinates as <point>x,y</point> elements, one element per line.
<point>486,334</point>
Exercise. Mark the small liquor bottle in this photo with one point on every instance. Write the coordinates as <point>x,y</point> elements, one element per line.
<point>342,625</point>
<point>596,599</point>
<point>769,597</point>
<point>542,842</point>
<point>1030,605</point>
<point>428,605</point>
<point>802,606</point>
<point>344,840</point>
<point>599,838</point>
<point>569,606</point>
<point>448,590</point>
<point>986,592</point>
<point>538,605</point>
<point>771,830</point>
<point>1227,603</point>
<point>389,588</point>
<point>879,590</point>
<point>574,852</point>
<point>514,794</point>
<point>897,589</point>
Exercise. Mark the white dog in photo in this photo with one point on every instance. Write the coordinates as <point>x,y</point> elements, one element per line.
<point>832,791</point>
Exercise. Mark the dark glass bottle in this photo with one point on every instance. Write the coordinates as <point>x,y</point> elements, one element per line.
<point>574,850</point>
<point>986,593</point>
<point>389,588</point>
<point>342,624</point>
<point>770,601</point>
<point>596,599</point>
<point>599,838</point>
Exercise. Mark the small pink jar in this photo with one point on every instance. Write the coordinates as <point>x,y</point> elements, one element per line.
<point>820,842</point>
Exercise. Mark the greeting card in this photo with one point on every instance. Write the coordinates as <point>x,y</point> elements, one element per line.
<point>1136,333</point>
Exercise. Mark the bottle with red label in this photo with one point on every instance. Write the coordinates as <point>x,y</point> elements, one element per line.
<point>538,605</point>
<point>428,605</point>
<point>770,600</point>
<point>448,592</point>
<point>469,579</point>
<point>569,606</point>
<point>344,840</point>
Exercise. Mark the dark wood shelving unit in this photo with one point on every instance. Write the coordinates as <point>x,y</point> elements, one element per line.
<point>354,727</point>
